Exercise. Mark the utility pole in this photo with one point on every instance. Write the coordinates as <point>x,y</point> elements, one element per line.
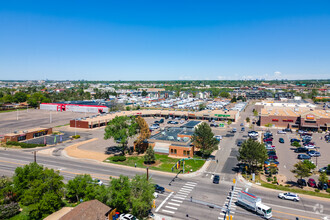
<point>147,173</point>
<point>35,156</point>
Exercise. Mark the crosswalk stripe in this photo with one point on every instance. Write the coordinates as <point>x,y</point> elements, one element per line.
<point>174,200</point>
<point>168,211</point>
<point>185,190</point>
<point>182,193</point>
<point>171,203</point>
<point>170,207</point>
<point>188,187</point>
<point>192,183</point>
<point>180,197</point>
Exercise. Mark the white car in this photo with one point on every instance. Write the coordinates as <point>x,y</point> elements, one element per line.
<point>127,217</point>
<point>289,196</point>
<point>309,146</point>
<point>281,132</point>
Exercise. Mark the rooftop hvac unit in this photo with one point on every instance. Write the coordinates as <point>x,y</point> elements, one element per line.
<point>15,132</point>
<point>25,131</point>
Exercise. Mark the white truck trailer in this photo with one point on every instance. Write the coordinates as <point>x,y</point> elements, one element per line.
<point>253,203</point>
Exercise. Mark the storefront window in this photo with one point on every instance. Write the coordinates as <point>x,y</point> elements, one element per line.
<point>184,152</point>
<point>171,151</point>
<point>188,152</point>
<point>21,138</point>
<point>174,151</point>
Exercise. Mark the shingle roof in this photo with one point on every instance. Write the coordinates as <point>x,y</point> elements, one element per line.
<point>90,210</point>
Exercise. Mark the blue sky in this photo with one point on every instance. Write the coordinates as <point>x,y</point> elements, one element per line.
<point>164,40</point>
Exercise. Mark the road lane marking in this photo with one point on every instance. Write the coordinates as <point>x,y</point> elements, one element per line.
<point>180,197</point>
<point>192,183</point>
<point>164,201</point>
<point>170,207</point>
<point>171,203</point>
<point>188,187</point>
<point>300,216</point>
<point>163,210</point>
<point>174,200</point>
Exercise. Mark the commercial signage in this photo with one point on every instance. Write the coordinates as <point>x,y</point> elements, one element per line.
<point>274,119</point>
<point>310,117</point>
<point>191,114</point>
<point>224,116</point>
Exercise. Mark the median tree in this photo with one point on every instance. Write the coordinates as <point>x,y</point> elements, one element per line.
<point>121,128</point>
<point>323,178</point>
<point>253,153</point>
<point>82,187</point>
<point>247,119</point>
<point>203,138</point>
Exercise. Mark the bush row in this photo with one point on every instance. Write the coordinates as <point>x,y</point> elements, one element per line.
<point>76,136</point>
<point>24,145</point>
<point>9,210</point>
<point>118,158</point>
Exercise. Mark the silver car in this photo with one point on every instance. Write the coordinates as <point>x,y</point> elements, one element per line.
<point>289,196</point>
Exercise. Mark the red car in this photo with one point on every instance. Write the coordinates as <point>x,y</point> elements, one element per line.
<point>309,143</point>
<point>274,157</point>
<point>268,139</point>
<point>311,183</point>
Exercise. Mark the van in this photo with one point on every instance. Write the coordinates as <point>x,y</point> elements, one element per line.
<point>234,130</point>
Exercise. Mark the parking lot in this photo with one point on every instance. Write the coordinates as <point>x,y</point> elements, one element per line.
<point>35,118</point>
<point>287,157</point>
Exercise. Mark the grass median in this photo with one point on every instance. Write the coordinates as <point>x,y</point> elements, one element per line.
<point>163,163</point>
<point>293,190</point>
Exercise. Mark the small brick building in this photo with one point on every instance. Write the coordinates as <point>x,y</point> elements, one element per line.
<point>27,134</point>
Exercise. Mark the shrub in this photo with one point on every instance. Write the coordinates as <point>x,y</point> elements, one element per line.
<point>269,179</point>
<point>328,190</point>
<point>317,190</point>
<point>9,210</point>
<point>76,136</point>
<point>24,145</point>
<point>118,158</point>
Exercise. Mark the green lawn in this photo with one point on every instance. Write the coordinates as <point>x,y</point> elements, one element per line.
<point>166,163</point>
<point>13,110</point>
<point>23,215</point>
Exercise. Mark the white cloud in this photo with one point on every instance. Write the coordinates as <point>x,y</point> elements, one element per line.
<point>277,74</point>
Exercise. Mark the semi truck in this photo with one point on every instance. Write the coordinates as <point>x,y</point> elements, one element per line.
<point>253,203</point>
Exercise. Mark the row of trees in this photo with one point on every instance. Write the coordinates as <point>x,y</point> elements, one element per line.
<point>43,192</point>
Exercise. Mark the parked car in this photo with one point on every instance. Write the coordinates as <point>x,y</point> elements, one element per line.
<point>301,182</point>
<point>314,153</point>
<point>241,124</point>
<point>216,179</point>
<point>311,183</point>
<point>234,130</point>
<point>242,129</point>
<point>289,196</point>
<point>304,157</point>
<point>239,143</point>
<point>268,139</point>
<point>161,120</point>
<point>169,122</point>
<point>270,163</point>
<point>218,137</point>
<point>272,157</point>
<point>323,169</point>
<point>269,142</point>
<point>174,122</point>
<point>127,217</point>
<point>322,186</point>
<point>281,140</point>
<point>281,132</point>
<point>287,130</point>
<point>269,147</point>
<point>300,150</point>
<point>309,147</point>
<point>270,153</point>
<point>294,140</point>
<point>159,189</point>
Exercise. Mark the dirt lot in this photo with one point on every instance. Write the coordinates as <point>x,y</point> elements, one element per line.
<point>34,118</point>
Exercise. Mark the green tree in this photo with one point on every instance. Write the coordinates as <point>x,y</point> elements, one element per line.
<point>301,170</point>
<point>233,99</point>
<point>81,187</point>
<point>40,188</point>
<point>229,122</point>
<point>309,164</point>
<point>202,106</point>
<point>20,97</point>
<point>121,128</point>
<point>323,178</point>
<point>141,196</point>
<point>253,153</point>
<point>149,156</point>
<point>120,193</point>
<point>255,113</point>
<point>296,144</point>
<point>247,119</point>
<point>203,138</point>
<point>144,93</point>
<point>128,108</point>
<point>224,94</point>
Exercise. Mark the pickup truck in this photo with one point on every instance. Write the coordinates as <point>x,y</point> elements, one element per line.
<point>253,203</point>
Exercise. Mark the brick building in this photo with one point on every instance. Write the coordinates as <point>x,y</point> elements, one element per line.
<point>27,134</point>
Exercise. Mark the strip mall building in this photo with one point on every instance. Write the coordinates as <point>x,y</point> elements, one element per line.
<point>295,118</point>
